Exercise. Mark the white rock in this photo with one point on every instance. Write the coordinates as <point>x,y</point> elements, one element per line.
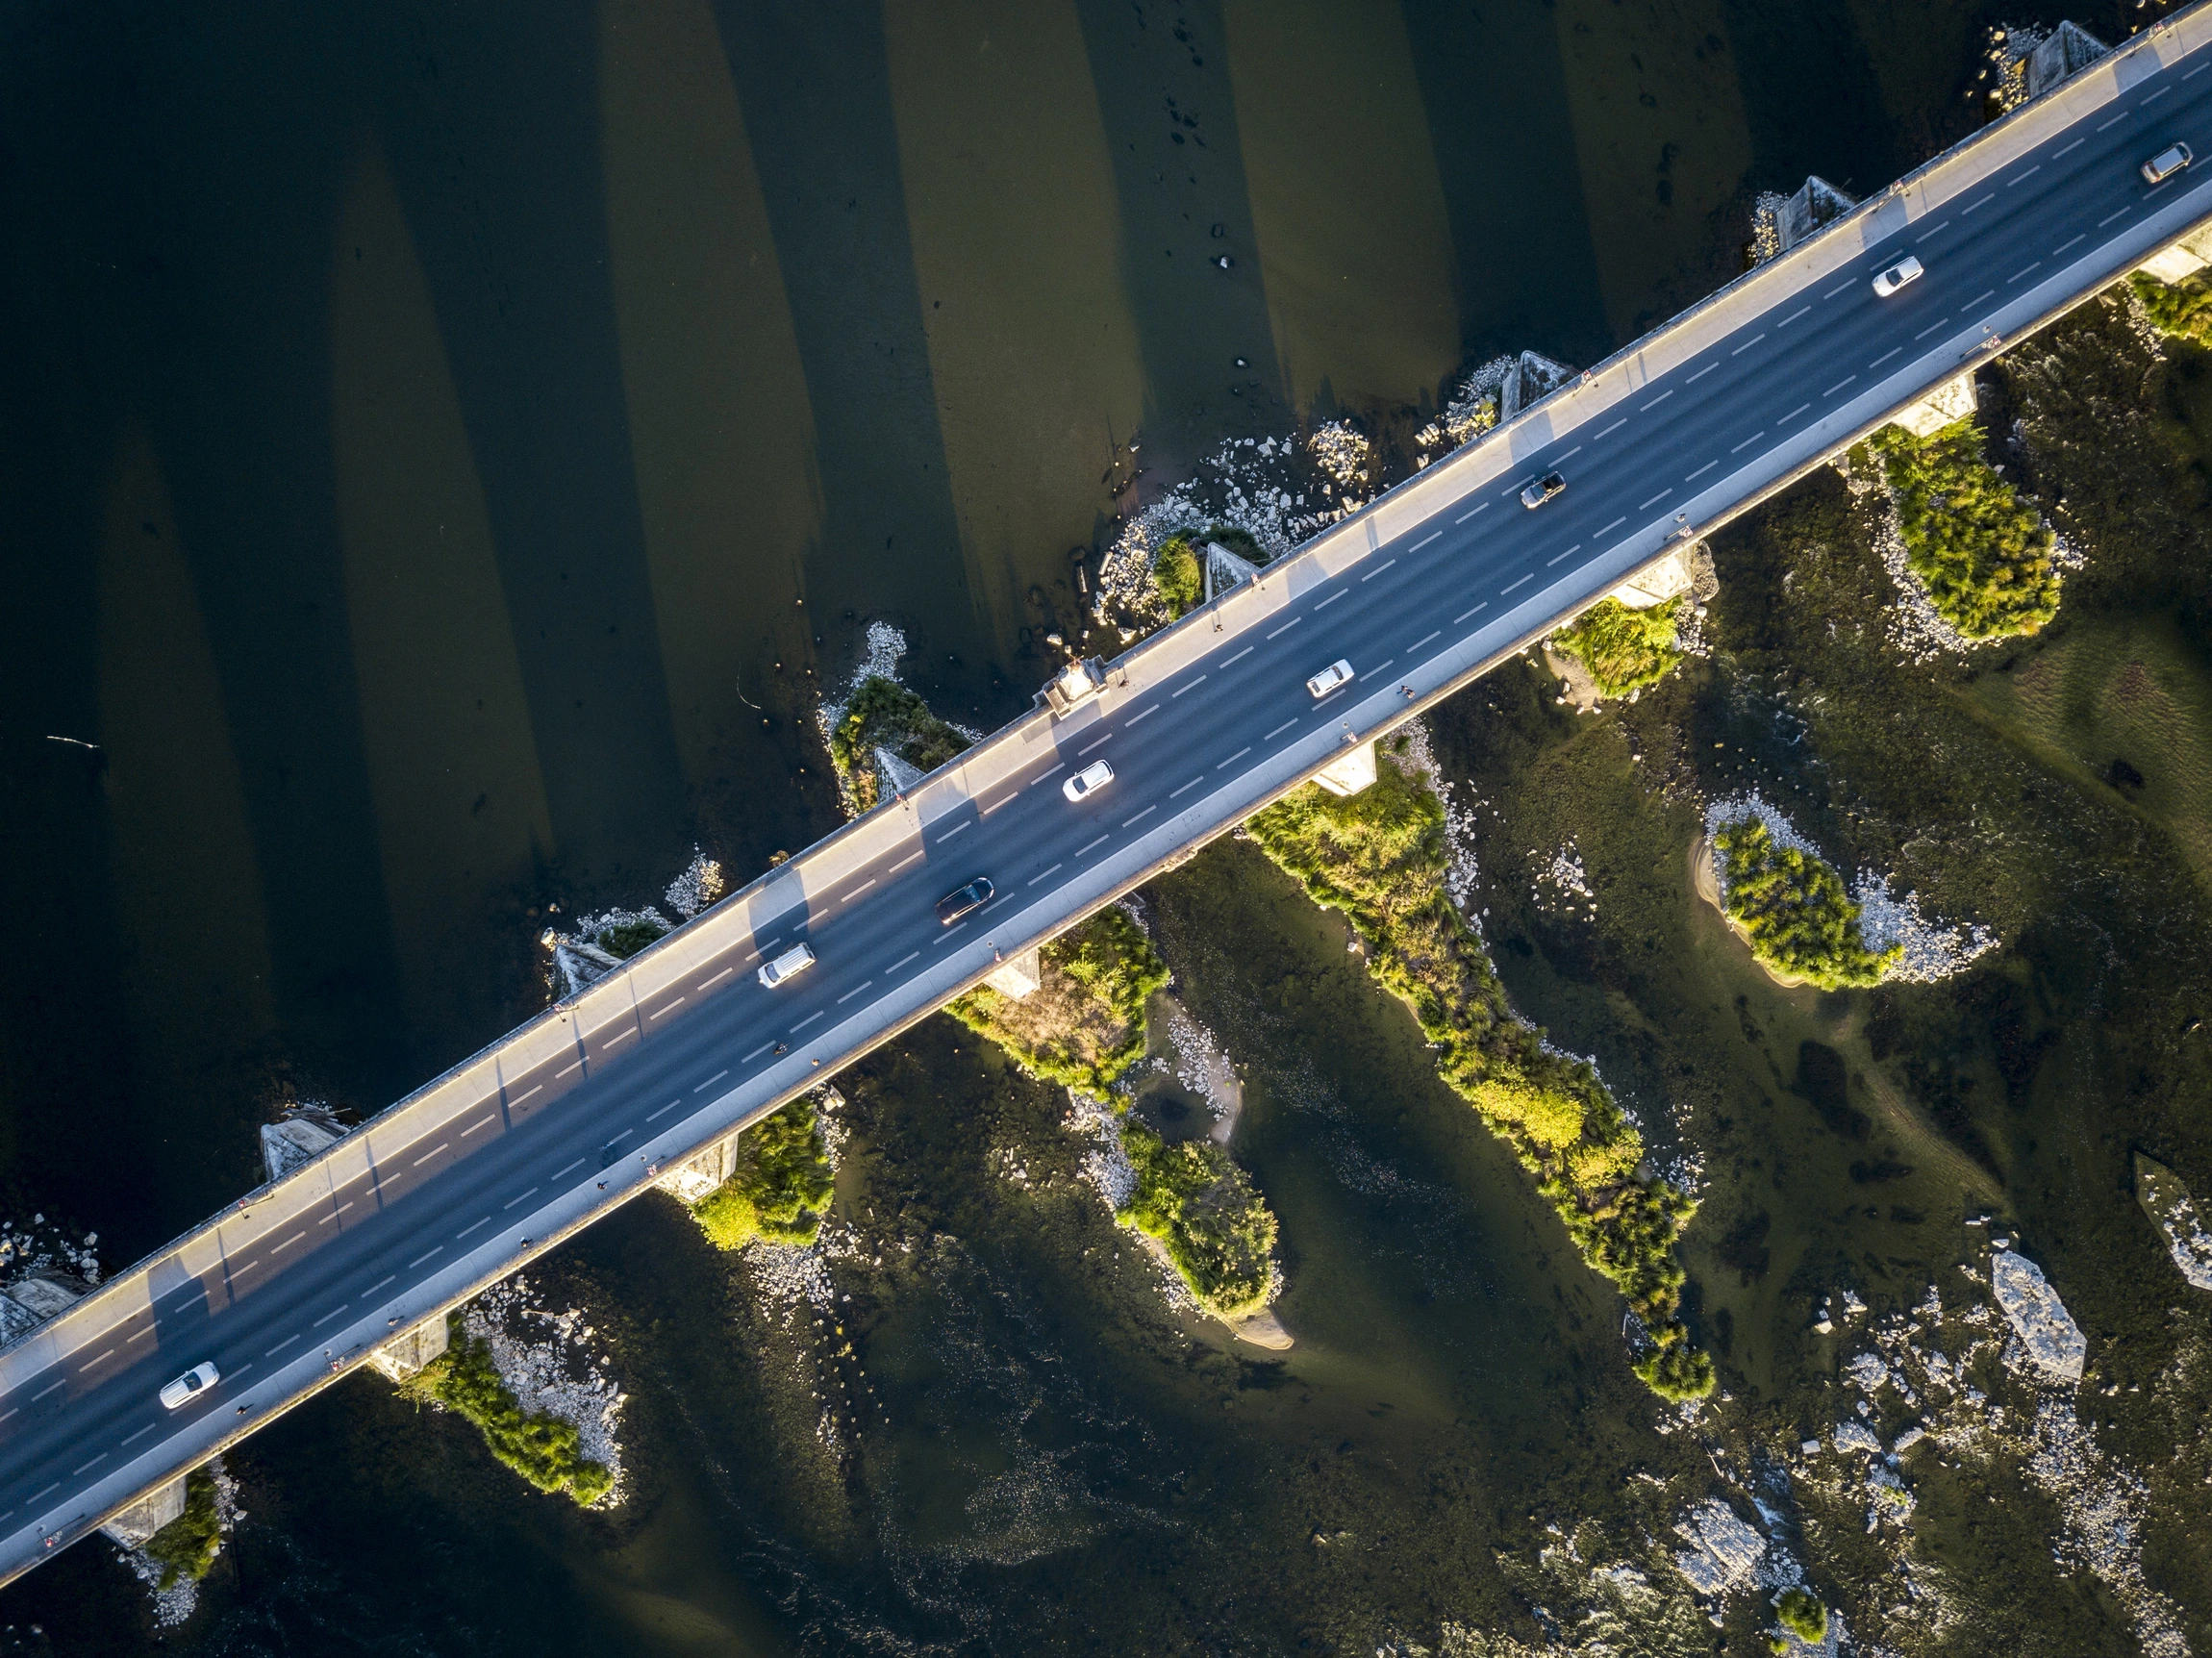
<point>1723,1551</point>
<point>1853,1436</point>
<point>2037,1316</point>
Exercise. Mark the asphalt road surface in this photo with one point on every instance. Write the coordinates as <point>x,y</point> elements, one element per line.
<point>1401,607</point>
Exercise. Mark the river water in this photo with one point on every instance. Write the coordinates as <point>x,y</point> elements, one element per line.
<point>447,453</point>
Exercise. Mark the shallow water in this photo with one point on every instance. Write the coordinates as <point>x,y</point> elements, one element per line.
<point>448,456</point>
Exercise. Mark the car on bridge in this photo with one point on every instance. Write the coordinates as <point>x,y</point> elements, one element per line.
<point>1907,269</point>
<point>1088,781</point>
<point>2165,163</point>
<point>1543,489</point>
<point>190,1386</point>
<point>1336,674</point>
<point>965,901</point>
<point>796,960</point>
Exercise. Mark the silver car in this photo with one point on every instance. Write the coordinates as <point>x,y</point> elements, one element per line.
<point>1907,269</point>
<point>190,1386</point>
<point>1088,781</point>
<point>1338,672</point>
<point>2165,163</point>
<point>796,960</point>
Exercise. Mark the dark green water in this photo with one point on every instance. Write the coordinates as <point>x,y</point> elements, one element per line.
<point>444,452</point>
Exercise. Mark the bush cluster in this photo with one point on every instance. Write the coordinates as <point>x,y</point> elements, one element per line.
<point>2183,310</point>
<point>626,939</point>
<point>1623,649</point>
<point>1217,1229</point>
<point>1795,910</point>
<point>1801,1612</point>
<point>780,1187</point>
<point>540,1447</point>
<point>1380,857</point>
<point>1176,576</point>
<point>187,1546</point>
<point>1084,1025</point>
<point>1983,554</point>
<point>884,713</point>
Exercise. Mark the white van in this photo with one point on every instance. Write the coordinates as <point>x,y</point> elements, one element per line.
<point>796,960</point>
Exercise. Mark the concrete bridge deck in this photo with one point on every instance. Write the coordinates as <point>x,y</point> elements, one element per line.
<point>580,1109</point>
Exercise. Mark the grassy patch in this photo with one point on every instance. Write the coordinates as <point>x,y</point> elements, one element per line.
<point>187,1546</point>
<point>1623,649</point>
<point>884,713</point>
<point>1176,576</point>
<point>1795,910</point>
<point>1084,1025</point>
<point>780,1187</point>
<point>1212,1222</point>
<point>540,1447</point>
<point>2181,309</point>
<point>1983,554</point>
<point>627,940</point>
<point>1380,857</point>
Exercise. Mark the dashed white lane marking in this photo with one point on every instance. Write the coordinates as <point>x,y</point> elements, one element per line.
<point>1278,731</point>
<point>1795,413</point>
<point>95,1463</point>
<point>911,955</point>
<point>1054,871</point>
<point>568,1070</point>
<point>1568,456</point>
<point>1656,401</point>
<point>1432,536</point>
<point>855,893</point>
<point>474,1126</point>
<point>1193,685</point>
<point>2018,274</point>
<point>1415,646</point>
<point>913,857</point>
<point>1747,442</point>
<point>1701,471</point>
<point>1939,322</point>
<point>343,1305</point>
<point>1139,817</point>
<point>717,1076</point>
<point>1239,656</point>
<point>2022,178</point>
<point>1525,580</point>
<point>556,1174</point>
<point>56,1486</point>
<point>2154,97</point>
<point>1379,568</point>
<point>1097,742</point>
<point>2121,213</point>
<point>1135,718</point>
<point>2114,122</point>
<point>1935,230</point>
<point>1748,343</point>
<point>336,1213</point>
<point>1285,628</point>
<point>1340,594</point>
<point>1088,845</point>
<point>987,810</point>
<point>471,1227</point>
<point>2064,245</point>
<point>1839,287</point>
<point>1839,386</point>
<point>513,1201</point>
<point>808,1020</point>
<point>664,1012</point>
<point>1986,293</point>
<point>241,1271</point>
<point>1464,615</point>
<point>387,1278</point>
<point>2197,71</point>
<point>142,1335</point>
<point>1378,668</point>
<point>951,832</point>
<point>1188,787</point>
<point>1048,775</point>
<point>89,1363</point>
<point>1885,355</point>
<point>1654,500</point>
<point>151,1426</point>
<point>432,1152</point>
<point>1793,316</point>
<point>43,1392</point>
<point>1224,765</point>
<point>620,1036</point>
<point>854,992</point>
<point>1707,369</point>
<point>1485,506</point>
<point>727,971</point>
<point>1607,433</point>
<point>2061,155</point>
<point>289,1243</point>
<point>944,938</point>
<point>1615,525</point>
<point>756,1053</point>
<point>666,1108</point>
<point>1979,205</point>
<point>1554,559</point>
<point>440,1250</point>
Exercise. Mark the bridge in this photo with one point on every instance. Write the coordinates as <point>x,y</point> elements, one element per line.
<point>361,1249</point>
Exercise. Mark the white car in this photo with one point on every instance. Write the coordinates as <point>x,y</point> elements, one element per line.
<point>1338,672</point>
<point>190,1386</point>
<point>2165,163</point>
<point>1088,781</point>
<point>796,960</point>
<point>1907,269</point>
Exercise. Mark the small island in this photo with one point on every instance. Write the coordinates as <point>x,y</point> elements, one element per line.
<point>538,1445</point>
<point>1792,908</point>
<point>1984,556</point>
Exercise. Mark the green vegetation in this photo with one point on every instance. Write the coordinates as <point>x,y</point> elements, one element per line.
<point>2183,310</point>
<point>542,1447</point>
<point>1084,1024</point>
<point>1380,857</point>
<point>632,936</point>
<point>1794,911</point>
<point>1215,1227</point>
<point>884,713</point>
<point>1623,649</point>
<point>187,1546</point>
<point>781,1185</point>
<point>1803,1615</point>
<point>1176,576</point>
<point>1983,554</point>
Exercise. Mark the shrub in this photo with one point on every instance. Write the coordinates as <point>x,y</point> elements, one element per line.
<point>1215,1227</point>
<point>540,1447</point>
<point>2183,310</point>
<point>1794,911</point>
<point>627,940</point>
<point>780,1187</point>
<point>1983,554</point>
<point>187,1546</point>
<point>1085,1023</point>
<point>1803,1615</point>
<point>1623,649</point>
<point>1380,857</point>
<point>884,713</point>
<point>1176,576</point>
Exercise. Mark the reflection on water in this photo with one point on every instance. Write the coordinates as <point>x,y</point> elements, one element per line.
<point>446,452</point>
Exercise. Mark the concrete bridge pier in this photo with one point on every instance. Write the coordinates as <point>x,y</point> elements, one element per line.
<point>412,1347</point>
<point>1952,400</point>
<point>135,1526</point>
